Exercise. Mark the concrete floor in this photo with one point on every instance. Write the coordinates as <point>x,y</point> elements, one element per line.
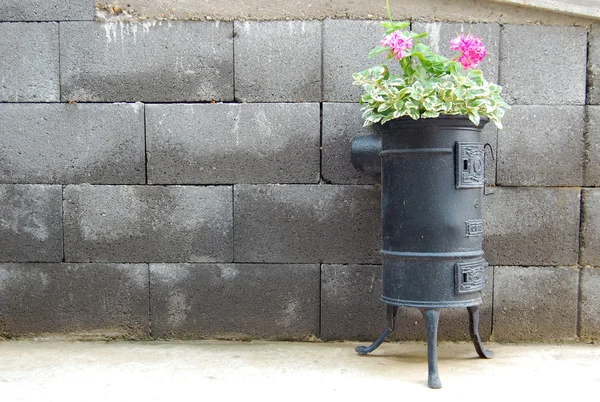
<point>217,370</point>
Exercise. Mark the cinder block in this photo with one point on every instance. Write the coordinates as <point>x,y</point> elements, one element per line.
<point>150,61</point>
<point>234,301</point>
<point>351,309</point>
<point>233,143</point>
<point>278,61</point>
<point>542,146</point>
<point>307,224</point>
<point>592,166</point>
<point>589,305</point>
<point>82,301</point>
<point>527,49</point>
<point>535,303</point>
<point>594,65</point>
<point>590,228</point>
<point>342,122</point>
<point>47,10</point>
<point>29,63</point>
<point>148,224</point>
<point>62,143</point>
<point>532,226</point>
<point>440,34</point>
<point>346,45</point>
<point>31,223</point>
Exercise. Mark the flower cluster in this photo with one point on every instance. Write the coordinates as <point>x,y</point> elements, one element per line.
<point>399,43</point>
<point>472,49</point>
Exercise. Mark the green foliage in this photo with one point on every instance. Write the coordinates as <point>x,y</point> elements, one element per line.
<point>431,85</point>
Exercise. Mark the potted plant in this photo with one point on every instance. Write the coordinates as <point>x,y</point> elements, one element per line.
<point>432,163</point>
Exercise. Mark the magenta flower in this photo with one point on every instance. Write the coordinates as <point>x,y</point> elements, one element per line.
<point>398,42</point>
<point>472,49</point>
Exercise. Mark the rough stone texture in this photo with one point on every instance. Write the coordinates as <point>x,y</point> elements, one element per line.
<point>62,143</point>
<point>147,61</point>
<point>351,309</point>
<point>31,223</point>
<point>590,228</point>
<point>46,10</point>
<point>346,45</point>
<point>307,224</point>
<point>148,224</point>
<point>542,146</point>
<point>589,306</point>
<point>440,35</point>
<point>593,66</point>
<point>532,226</point>
<point>82,301</point>
<point>29,62</point>
<point>592,166</point>
<point>233,143</point>
<point>278,61</point>
<point>235,301</point>
<point>342,122</point>
<point>535,303</point>
<point>527,49</point>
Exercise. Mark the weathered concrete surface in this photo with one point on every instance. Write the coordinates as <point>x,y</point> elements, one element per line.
<point>593,79</point>
<point>233,143</point>
<point>351,309</point>
<point>592,165</point>
<point>307,224</point>
<point>62,143</point>
<point>587,8</point>
<point>148,224</point>
<point>234,301</point>
<point>525,49</point>
<point>535,303</point>
<point>167,371</point>
<point>31,223</point>
<point>458,10</point>
<point>150,62</point>
<point>29,62</point>
<point>590,228</point>
<point>589,306</point>
<point>94,301</point>
<point>46,10</point>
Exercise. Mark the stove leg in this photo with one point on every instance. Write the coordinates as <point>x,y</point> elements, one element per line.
<point>474,330</point>
<point>391,321</point>
<point>432,317</point>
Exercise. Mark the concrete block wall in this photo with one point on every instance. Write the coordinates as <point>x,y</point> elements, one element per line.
<point>191,179</point>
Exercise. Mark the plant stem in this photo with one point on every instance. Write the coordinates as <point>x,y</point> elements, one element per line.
<point>387,6</point>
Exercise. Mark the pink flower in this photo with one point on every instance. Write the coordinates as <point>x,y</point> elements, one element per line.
<point>398,42</point>
<point>472,49</point>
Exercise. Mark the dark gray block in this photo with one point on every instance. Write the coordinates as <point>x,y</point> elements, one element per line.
<point>31,223</point>
<point>589,305</point>
<point>47,10</point>
<point>148,224</point>
<point>440,34</point>
<point>535,303</point>
<point>592,166</point>
<point>233,143</point>
<point>346,45</point>
<point>278,61</point>
<point>593,81</point>
<point>90,301</point>
<point>234,301</point>
<point>62,143</point>
<point>542,146</point>
<point>307,224</point>
<point>342,122</point>
<point>590,228</point>
<point>532,226</point>
<point>528,50</point>
<point>149,61</point>
<point>351,309</point>
<point>29,70</point>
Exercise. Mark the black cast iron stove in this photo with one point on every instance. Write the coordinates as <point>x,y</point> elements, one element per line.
<point>432,181</point>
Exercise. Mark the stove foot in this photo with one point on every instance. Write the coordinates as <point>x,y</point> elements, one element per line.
<point>432,318</point>
<point>475,337</point>
<point>391,319</point>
